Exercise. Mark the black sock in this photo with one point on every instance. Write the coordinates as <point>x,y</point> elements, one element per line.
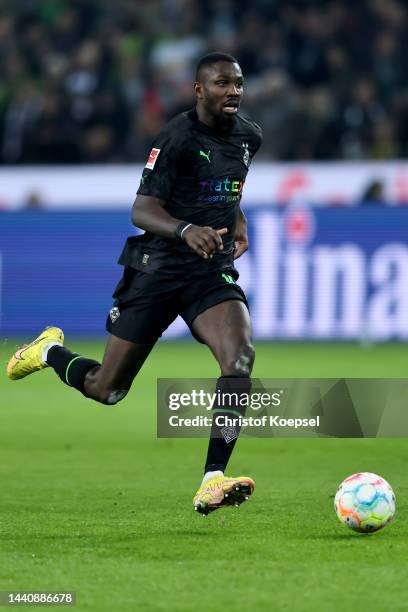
<point>223,438</point>
<point>70,367</point>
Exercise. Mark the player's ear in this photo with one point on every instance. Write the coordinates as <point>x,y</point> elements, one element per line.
<point>198,88</point>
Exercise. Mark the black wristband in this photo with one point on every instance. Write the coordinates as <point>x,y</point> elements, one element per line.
<point>178,234</point>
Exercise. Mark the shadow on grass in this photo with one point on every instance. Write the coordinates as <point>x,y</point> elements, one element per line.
<point>106,538</point>
<point>350,537</point>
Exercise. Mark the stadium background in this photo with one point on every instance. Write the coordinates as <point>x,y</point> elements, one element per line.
<point>91,499</point>
<point>88,83</point>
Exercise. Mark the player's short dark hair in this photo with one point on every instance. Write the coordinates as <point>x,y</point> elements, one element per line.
<point>213,58</point>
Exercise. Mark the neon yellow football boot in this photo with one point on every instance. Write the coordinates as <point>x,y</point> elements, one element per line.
<point>222,491</point>
<point>28,358</point>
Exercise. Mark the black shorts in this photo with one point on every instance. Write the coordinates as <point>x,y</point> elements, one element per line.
<point>146,304</point>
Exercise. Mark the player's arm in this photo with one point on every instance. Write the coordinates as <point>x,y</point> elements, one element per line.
<point>241,227</point>
<point>240,235</point>
<point>149,214</point>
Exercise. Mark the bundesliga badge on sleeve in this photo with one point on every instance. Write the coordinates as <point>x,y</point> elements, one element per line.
<point>154,154</point>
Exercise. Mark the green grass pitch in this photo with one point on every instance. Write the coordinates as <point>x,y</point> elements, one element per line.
<point>92,502</point>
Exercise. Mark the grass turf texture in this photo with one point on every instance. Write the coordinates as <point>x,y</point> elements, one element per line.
<point>92,502</point>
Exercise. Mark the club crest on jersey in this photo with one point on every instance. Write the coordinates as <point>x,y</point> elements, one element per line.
<point>154,154</point>
<point>114,314</point>
<point>245,159</point>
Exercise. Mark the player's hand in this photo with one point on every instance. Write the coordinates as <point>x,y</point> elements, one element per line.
<point>240,241</point>
<point>240,235</point>
<point>205,241</point>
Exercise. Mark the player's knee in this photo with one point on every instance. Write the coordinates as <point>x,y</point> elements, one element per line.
<point>112,397</point>
<point>242,361</point>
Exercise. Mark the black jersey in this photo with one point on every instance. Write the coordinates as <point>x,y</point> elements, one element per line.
<point>200,173</point>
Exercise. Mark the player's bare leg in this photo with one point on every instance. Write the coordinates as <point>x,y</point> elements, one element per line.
<point>107,383</point>
<point>226,329</point>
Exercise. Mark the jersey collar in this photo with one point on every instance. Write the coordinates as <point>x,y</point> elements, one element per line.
<point>206,129</point>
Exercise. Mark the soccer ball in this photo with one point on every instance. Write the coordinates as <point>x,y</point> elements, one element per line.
<point>365,502</point>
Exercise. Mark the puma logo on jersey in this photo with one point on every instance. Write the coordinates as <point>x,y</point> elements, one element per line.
<point>206,155</point>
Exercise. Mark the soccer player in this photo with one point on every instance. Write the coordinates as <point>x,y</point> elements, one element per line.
<point>188,203</point>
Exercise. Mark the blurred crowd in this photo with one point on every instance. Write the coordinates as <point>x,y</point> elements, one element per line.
<point>93,81</point>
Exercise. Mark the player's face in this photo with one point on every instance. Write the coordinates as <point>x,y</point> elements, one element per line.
<point>220,90</point>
